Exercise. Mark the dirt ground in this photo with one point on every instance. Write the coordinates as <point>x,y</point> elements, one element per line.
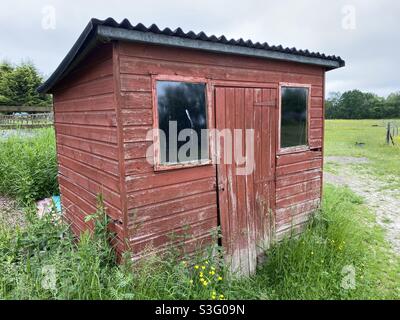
<point>384,202</point>
<point>10,215</point>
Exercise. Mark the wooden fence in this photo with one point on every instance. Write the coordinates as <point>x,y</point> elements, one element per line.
<point>30,109</point>
<point>37,120</point>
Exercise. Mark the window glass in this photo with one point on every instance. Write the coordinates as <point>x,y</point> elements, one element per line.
<point>294,117</point>
<point>182,117</point>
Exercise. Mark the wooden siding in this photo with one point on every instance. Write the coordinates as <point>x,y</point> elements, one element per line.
<point>160,203</point>
<point>299,176</point>
<point>103,112</point>
<point>87,144</point>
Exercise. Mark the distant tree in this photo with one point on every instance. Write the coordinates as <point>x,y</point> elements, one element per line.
<point>392,104</point>
<point>18,85</point>
<point>331,105</point>
<point>355,104</point>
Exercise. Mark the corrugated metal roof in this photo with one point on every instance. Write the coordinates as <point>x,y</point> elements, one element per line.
<point>110,29</point>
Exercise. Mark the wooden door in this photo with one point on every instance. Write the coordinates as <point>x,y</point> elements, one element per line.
<point>246,202</point>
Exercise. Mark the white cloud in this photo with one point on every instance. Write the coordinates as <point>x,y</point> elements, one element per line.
<point>370,51</point>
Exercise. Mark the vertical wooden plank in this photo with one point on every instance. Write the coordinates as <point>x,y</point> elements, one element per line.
<point>258,192</point>
<point>231,181</point>
<point>220,106</point>
<point>274,118</point>
<point>249,124</point>
<point>241,183</point>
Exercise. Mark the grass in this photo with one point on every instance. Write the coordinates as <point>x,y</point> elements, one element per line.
<point>28,167</point>
<point>341,239</point>
<point>341,137</point>
<point>42,260</point>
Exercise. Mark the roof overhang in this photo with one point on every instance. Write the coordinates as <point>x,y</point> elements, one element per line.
<point>96,32</point>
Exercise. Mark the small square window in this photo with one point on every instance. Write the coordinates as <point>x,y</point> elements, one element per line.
<point>294,124</point>
<point>182,120</point>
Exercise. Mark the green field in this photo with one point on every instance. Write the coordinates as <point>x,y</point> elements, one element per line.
<point>341,137</point>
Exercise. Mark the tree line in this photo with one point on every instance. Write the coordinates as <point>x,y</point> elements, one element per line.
<point>18,84</point>
<point>355,104</point>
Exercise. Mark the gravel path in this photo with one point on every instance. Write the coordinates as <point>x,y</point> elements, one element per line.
<point>385,203</point>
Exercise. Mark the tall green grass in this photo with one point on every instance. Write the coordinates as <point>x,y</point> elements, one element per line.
<point>341,238</point>
<point>312,266</point>
<point>28,167</point>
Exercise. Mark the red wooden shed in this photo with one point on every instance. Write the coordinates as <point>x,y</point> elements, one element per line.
<point>120,81</point>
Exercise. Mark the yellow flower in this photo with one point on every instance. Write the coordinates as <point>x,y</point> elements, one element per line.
<point>203,267</point>
<point>201,274</point>
<point>312,252</point>
<point>212,268</point>
<point>213,297</point>
<point>219,278</point>
<point>214,293</point>
<point>191,281</point>
<point>196,266</point>
<point>205,283</point>
<point>221,296</point>
<point>212,272</point>
<point>206,262</point>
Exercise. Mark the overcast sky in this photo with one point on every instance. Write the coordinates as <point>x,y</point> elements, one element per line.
<point>365,33</point>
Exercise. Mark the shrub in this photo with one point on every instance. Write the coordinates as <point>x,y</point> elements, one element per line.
<point>28,167</point>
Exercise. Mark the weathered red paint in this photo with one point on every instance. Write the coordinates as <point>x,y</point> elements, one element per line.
<point>103,111</point>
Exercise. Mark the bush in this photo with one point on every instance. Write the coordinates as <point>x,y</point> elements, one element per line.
<point>28,167</point>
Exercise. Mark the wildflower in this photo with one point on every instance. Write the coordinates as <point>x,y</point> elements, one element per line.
<point>196,266</point>
<point>206,262</point>
<point>201,274</point>
<point>191,281</point>
<point>203,267</point>
<point>212,268</point>
<point>213,297</point>
<point>221,297</point>
<point>205,283</point>
<point>212,272</point>
<point>312,252</point>
<point>219,278</point>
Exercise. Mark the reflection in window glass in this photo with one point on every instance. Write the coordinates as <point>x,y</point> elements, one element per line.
<point>181,106</point>
<point>294,117</point>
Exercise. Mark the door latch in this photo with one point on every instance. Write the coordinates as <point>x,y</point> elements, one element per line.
<point>219,187</point>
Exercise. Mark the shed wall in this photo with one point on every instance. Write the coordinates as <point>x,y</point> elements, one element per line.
<point>87,141</point>
<point>160,203</point>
